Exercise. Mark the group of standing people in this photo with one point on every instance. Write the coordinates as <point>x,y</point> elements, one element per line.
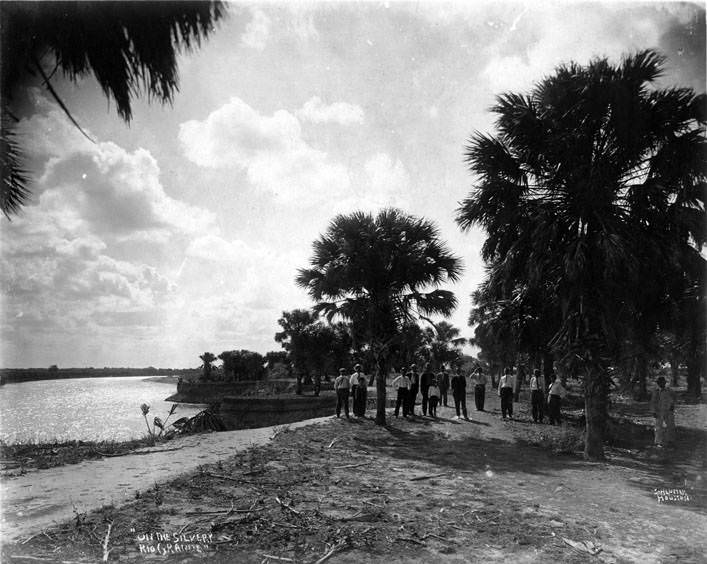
<point>434,389</point>
<point>555,393</point>
<point>353,386</point>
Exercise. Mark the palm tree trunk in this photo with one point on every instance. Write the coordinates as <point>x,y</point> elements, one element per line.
<point>694,363</point>
<point>674,364</point>
<point>641,393</point>
<point>381,384</point>
<point>596,395</point>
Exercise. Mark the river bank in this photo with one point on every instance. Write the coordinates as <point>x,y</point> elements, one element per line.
<point>417,490</point>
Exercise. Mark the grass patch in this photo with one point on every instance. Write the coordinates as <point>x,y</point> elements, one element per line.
<point>565,439</point>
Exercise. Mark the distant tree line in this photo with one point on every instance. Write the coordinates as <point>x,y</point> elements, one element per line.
<point>14,375</point>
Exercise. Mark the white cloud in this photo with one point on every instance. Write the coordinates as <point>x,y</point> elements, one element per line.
<point>316,111</point>
<point>269,148</point>
<point>545,37</point>
<point>257,31</point>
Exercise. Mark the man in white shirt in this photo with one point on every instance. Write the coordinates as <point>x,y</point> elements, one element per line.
<point>402,385</point>
<point>554,401</point>
<point>341,387</point>
<point>537,399</point>
<point>505,390</point>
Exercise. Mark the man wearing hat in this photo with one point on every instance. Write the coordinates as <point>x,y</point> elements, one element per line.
<point>341,387</point>
<point>414,388</point>
<point>663,405</point>
<point>427,379</point>
<point>358,391</point>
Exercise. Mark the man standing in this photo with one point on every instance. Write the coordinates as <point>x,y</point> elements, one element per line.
<point>537,398</point>
<point>362,393</point>
<point>554,401</point>
<point>402,385</point>
<point>505,390</point>
<point>341,387</point>
<point>426,380</point>
<point>414,388</point>
<point>459,393</point>
<point>663,405</point>
<point>443,383</point>
<point>480,389</point>
<point>356,395</point>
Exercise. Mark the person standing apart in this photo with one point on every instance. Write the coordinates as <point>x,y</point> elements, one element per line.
<point>414,388</point>
<point>505,390</point>
<point>537,398</point>
<point>443,383</point>
<point>354,382</point>
<point>362,394</point>
<point>402,385</point>
<point>459,393</point>
<point>434,399</point>
<point>341,387</point>
<point>480,389</point>
<point>426,380</point>
<point>554,400</point>
<point>663,405</point>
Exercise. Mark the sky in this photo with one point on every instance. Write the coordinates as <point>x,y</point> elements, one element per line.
<point>183,231</point>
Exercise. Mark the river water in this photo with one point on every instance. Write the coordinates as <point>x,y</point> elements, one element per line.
<point>84,409</point>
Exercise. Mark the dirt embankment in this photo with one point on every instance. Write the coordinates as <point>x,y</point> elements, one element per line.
<point>420,490</point>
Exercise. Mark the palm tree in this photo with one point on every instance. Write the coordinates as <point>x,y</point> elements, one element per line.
<point>593,175</point>
<point>374,271</point>
<point>129,47</point>
<point>444,342</point>
<point>207,359</point>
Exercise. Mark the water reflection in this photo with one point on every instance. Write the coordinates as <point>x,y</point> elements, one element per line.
<point>83,409</point>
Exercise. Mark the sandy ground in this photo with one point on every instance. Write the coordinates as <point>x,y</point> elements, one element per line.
<point>414,491</point>
<point>43,498</point>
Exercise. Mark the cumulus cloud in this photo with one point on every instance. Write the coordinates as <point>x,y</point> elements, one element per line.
<point>316,111</point>
<point>257,31</point>
<point>68,262</point>
<point>270,149</point>
<point>114,192</point>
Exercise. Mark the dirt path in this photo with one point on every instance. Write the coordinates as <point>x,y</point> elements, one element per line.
<point>41,498</point>
<point>415,491</point>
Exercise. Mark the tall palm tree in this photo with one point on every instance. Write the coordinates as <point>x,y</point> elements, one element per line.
<point>129,47</point>
<point>592,176</point>
<point>374,271</point>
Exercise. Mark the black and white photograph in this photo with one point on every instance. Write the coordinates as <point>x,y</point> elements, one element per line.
<point>353,281</point>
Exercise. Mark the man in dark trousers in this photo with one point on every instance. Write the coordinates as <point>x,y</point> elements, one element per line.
<point>426,380</point>
<point>358,391</point>
<point>537,397</point>
<point>402,385</point>
<point>443,383</point>
<point>505,390</point>
<point>479,389</point>
<point>341,387</point>
<point>414,388</point>
<point>459,393</point>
